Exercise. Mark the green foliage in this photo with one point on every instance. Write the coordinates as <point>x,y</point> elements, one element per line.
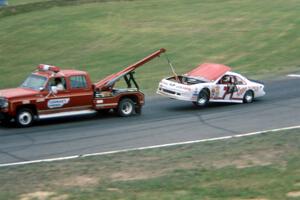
<point>257,38</point>
<point>20,2</point>
<point>254,167</point>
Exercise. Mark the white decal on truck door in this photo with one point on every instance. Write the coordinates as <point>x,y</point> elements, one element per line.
<point>58,103</point>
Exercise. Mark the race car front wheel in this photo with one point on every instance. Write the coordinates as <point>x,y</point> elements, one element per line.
<point>248,97</point>
<point>203,99</point>
<point>126,107</point>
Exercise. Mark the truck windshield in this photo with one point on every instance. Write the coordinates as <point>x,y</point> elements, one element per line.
<point>34,82</point>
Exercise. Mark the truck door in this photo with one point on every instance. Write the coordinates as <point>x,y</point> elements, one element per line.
<point>59,101</point>
<point>73,94</point>
<point>54,102</point>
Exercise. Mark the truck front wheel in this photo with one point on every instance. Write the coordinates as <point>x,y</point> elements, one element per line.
<point>126,107</point>
<point>24,117</point>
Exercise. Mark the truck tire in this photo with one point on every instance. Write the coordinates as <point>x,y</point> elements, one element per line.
<point>202,99</point>
<point>24,117</point>
<point>248,97</point>
<point>126,107</point>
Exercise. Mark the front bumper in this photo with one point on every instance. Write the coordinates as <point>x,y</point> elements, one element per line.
<point>173,94</point>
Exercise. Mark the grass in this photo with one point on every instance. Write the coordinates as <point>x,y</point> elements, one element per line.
<point>257,38</point>
<point>20,2</point>
<point>257,167</point>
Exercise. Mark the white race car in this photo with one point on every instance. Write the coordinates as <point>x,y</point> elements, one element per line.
<point>211,83</point>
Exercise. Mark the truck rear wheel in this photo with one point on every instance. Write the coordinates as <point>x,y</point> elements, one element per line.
<point>126,107</point>
<point>24,117</point>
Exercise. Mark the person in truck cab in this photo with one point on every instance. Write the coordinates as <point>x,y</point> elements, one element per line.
<point>59,85</point>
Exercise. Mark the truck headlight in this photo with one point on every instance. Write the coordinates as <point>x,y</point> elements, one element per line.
<point>3,103</point>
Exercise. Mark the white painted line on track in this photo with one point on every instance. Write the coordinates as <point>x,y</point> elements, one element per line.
<point>294,75</point>
<point>148,147</point>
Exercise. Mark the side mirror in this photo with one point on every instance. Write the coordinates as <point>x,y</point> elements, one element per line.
<point>54,89</point>
<point>41,89</point>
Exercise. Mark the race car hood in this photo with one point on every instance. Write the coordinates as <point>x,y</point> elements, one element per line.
<point>17,92</point>
<point>209,71</point>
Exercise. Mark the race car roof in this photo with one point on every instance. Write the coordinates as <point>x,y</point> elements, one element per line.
<point>209,71</point>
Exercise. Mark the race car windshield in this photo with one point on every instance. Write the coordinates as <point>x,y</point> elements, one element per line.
<point>34,82</point>
<point>191,80</point>
<point>186,80</point>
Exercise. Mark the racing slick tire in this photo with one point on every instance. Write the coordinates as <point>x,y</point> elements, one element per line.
<point>248,97</point>
<point>203,99</point>
<point>126,107</point>
<point>25,117</point>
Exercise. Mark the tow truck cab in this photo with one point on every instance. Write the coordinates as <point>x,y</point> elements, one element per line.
<point>39,97</point>
<point>50,92</point>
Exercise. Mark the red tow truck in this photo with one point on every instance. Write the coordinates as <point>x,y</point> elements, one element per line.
<point>51,92</point>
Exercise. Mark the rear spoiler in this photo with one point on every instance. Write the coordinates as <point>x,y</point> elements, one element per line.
<point>109,81</point>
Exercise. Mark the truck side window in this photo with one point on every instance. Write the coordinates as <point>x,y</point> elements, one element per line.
<point>59,82</point>
<point>78,82</point>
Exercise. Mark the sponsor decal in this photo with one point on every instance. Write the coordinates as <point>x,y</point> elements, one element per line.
<point>195,93</point>
<point>215,92</point>
<point>183,87</point>
<point>58,103</point>
<point>241,91</point>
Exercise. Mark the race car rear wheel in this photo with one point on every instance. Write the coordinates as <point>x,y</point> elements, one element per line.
<point>248,97</point>
<point>203,98</point>
<point>126,107</point>
<point>24,117</point>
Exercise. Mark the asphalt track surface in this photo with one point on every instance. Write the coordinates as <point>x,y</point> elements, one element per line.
<point>163,121</point>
